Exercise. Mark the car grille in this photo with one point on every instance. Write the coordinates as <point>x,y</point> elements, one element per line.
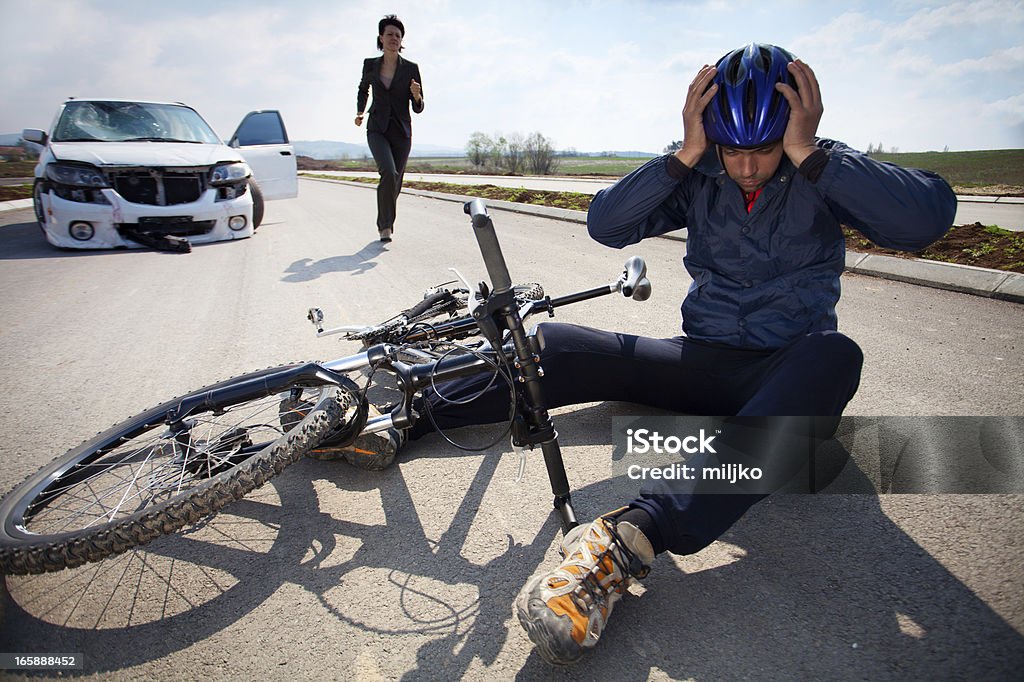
<point>179,226</point>
<point>159,188</point>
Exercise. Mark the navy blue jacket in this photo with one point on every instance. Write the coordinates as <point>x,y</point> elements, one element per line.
<point>761,280</point>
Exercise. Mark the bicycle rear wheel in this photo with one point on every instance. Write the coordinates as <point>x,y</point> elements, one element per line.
<point>168,467</point>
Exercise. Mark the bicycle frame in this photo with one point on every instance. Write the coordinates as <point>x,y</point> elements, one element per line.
<point>188,457</point>
<point>496,316</point>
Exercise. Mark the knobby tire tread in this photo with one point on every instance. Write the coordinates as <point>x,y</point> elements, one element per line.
<point>27,558</point>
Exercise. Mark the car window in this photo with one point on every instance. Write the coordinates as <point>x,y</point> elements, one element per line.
<point>95,121</point>
<point>260,127</point>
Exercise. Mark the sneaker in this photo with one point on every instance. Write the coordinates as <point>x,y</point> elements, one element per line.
<point>385,234</point>
<point>372,451</point>
<point>565,610</point>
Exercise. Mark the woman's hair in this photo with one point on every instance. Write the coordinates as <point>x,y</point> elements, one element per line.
<point>389,20</point>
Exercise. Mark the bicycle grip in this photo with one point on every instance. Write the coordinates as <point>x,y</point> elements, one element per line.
<point>427,302</point>
<point>483,228</point>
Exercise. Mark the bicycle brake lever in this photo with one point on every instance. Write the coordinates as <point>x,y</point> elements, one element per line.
<point>465,281</point>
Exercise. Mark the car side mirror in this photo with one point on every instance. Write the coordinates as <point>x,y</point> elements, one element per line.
<point>34,135</point>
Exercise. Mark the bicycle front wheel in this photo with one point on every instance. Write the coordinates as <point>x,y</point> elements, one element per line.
<point>168,467</point>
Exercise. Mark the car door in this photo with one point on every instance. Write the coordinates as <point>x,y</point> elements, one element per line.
<point>263,142</point>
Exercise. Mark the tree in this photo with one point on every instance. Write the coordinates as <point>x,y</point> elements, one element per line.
<point>496,151</point>
<point>514,153</point>
<point>540,154</point>
<point>676,145</point>
<point>535,153</point>
<point>477,148</point>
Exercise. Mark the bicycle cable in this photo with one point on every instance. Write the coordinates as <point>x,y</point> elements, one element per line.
<point>505,374</point>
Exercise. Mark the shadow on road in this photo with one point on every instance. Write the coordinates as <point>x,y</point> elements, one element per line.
<point>802,587</point>
<point>307,269</point>
<point>25,241</point>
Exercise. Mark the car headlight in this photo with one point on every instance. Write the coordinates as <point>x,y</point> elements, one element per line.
<point>76,176</point>
<point>229,173</point>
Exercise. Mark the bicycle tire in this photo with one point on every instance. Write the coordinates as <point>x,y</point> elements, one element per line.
<point>161,470</point>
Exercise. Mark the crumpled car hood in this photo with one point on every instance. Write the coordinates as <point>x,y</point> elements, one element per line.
<point>144,153</point>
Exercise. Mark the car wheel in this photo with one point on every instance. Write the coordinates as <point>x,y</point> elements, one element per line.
<point>257,204</point>
<point>37,204</point>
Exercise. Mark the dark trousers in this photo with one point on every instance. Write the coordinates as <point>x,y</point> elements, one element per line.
<point>391,152</point>
<point>816,375</point>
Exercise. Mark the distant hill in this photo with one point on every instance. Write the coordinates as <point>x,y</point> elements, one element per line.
<point>9,139</point>
<point>330,149</point>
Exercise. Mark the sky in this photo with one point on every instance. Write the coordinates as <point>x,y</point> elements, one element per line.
<point>589,75</point>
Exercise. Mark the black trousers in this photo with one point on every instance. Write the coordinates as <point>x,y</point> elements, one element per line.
<point>391,152</point>
<point>816,375</point>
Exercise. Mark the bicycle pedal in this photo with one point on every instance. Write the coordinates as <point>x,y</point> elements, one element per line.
<point>316,316</point>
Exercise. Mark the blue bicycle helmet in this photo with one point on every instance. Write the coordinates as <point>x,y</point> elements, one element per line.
<point>747,111</point>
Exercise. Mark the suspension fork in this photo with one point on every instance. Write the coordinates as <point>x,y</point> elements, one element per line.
<point>497,310</point>
<point>537,427</point>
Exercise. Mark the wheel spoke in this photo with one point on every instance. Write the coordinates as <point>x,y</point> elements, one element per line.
<point>125,476</point>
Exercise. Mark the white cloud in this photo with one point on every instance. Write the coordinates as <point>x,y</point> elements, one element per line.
<point>959,16</point>
<point>1009,62</point>
<point>592,75</point>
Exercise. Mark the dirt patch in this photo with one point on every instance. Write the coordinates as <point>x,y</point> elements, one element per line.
<point>978,245</point>
<point>572,200</point>
<point>991,191</point>
<point>12,192</point>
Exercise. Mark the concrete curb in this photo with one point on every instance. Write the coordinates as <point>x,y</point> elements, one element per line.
<point>967,279</point>
<point>15,205</point>
<point>979,199</point>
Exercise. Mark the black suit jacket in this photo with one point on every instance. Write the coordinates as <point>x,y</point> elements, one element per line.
<point>388,103</point>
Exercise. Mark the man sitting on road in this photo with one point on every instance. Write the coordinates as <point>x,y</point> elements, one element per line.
<point>763,200</point>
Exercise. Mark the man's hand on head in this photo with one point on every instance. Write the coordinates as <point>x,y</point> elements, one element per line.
<point>697,98</point>
<point>805,110</point>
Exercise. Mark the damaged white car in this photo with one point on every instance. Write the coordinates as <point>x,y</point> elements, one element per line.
<point>131,174</point>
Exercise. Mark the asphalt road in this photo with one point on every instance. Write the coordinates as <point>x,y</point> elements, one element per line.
<point>336,573</point>
<point>1008,213</point>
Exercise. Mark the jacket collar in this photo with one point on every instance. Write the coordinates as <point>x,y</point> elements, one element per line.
<point>379,62</point>
<point>711,165</point>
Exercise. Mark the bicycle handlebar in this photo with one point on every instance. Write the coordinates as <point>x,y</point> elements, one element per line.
<point>483,228</point>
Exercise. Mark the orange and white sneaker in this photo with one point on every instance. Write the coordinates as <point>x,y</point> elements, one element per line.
<point>565,610</point>
<point>372,452</point>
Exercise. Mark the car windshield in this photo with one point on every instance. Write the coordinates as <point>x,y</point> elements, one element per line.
<point>86,121</point>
